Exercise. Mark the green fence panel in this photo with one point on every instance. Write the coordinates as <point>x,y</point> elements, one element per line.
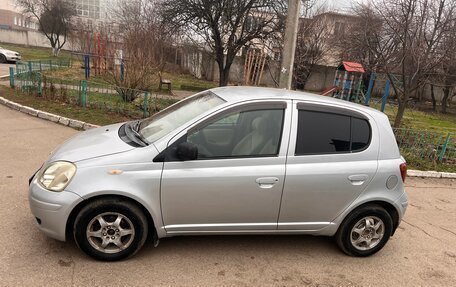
<point>83,93</point>
<point>11,77</point>
<point>146,105</point>
<point>445,146</point>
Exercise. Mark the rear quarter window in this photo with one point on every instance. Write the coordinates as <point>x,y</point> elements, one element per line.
<point>329,133</point>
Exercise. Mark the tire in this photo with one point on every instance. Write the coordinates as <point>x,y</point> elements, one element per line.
<point>364,231</point>
<point>110,229</point>
<point>3,59</point>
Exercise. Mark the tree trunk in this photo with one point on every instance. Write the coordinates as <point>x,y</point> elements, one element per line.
<point>225,72</point>
<point>223,76</point>
<point>434,102</point>
<point>399,115</point>
<point>402,105</point>
<point>55,52</point>
<point>220,59</point>
<point>446,94</point>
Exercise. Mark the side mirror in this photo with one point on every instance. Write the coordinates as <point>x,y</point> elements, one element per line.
<point>187,151</point>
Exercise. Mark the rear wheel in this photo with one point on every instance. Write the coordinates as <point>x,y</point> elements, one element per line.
<point>365,231</point>
<point>110,229</point>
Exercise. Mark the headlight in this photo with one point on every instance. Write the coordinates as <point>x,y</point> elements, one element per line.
<point>57,175</point>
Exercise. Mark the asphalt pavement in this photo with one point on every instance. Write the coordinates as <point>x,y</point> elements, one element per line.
<point>4,69</point>
<point>421,253</point>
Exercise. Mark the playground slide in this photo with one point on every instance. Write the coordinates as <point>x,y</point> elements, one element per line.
<point>329,91</point>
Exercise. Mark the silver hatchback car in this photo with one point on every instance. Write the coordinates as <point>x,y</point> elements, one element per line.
<point>232,160</point>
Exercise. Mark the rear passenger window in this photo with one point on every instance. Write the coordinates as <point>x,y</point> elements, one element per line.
<point>326,133</point>
<point>360,134</point>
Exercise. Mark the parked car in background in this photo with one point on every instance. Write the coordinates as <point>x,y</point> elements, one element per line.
<point>231,160</point>
<point>9,56</point>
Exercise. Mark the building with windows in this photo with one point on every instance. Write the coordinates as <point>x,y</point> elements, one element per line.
<point>12,18</point>
<point>95,10</point>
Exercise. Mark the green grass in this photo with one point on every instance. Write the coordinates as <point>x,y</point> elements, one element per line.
<point>416,162</point>
<point>34,53</point>
<point>92,116</point>
<point>74,73</point>
<point>179,81</point>
<point>419,120</point>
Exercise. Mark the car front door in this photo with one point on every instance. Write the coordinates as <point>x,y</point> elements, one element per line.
<point>236,182</point>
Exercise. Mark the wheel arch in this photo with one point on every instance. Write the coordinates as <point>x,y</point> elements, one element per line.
<point>75,211</point>
<point>392,211</point>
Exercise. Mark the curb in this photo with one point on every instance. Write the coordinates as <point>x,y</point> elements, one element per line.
<point>86,126</point>
<point>430,174</point>
<point>47,116</point>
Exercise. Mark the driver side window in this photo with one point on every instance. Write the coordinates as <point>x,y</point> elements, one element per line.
<point>250,133</point>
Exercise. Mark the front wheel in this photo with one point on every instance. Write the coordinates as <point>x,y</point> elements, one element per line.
<point>3,58</point>
<point>110,229</point>
<point>365,231</point>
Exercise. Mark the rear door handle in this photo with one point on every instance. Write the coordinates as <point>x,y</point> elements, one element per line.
<point>358,179</point>
<point>266,182</point>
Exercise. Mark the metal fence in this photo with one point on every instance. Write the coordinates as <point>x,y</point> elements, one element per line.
<point>42,65</point>
<point>427,145</point>
<point>88,95</point>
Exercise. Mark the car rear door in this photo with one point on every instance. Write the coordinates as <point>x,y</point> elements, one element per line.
<point>332,158</point>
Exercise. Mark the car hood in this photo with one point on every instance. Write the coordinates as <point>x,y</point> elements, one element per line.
<point>7,51</point>
<point>93,143</point>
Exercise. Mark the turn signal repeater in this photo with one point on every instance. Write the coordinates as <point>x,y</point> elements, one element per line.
<point>115,172</point>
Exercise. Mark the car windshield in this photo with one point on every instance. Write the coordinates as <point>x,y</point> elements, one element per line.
<point>169,119</point>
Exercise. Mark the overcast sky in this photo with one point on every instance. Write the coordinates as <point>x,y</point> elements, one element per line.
<point>340,5</point>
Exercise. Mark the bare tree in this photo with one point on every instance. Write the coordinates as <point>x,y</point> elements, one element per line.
<point>143,41</point>
<point>408,44</point>
<point>312,45</point>
<point>54,18</point>
<point>308,7</point>
<point>225,26</point>
<point>448,67</point>
<point>360,42</point>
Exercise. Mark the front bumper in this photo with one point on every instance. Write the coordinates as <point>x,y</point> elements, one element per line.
<point>51,209</point>
<point>13,58</point>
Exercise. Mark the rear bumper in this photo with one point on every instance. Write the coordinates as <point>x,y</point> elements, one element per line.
<point>402,204</point>
<point>51,209</point>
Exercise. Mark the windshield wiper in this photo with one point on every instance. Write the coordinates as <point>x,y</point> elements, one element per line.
<point>134,126</point>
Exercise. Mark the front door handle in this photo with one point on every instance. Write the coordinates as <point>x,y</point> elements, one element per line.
<point>266,182</point>
<point>358,179</point>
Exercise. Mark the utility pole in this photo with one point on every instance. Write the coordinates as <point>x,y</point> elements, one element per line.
<point>289,46</point>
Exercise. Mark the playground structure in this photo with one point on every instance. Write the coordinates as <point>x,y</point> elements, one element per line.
<point>348,81</point>
<point>348,84</point>
<point>253,66</point>
<point>98,53</point>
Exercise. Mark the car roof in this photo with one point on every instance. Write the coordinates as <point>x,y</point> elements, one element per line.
<point>244,93</point>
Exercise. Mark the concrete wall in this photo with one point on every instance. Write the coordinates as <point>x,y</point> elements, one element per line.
<point>323,77</point>
<point>203,66</point>
<point>28,38</point>
<point>320,79</point>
